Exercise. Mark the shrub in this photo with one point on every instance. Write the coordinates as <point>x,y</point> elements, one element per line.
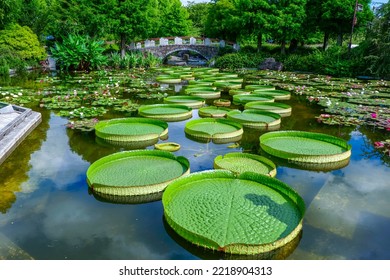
<point>239,60</point>
<point>4,68</point>
<point>22,43</point>
<point>80,53</point>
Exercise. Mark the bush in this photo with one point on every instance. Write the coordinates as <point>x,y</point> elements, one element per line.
<point>4,68</point>
<point>239,60</point>
<point>79,53</point>
<point>21,44</point>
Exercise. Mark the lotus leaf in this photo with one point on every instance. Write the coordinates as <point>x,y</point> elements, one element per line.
<point>213,112</point>
<point>193,102</point>
<point>254,118</point>
<point>131,129</point>
<point>276,94</point>
<point>244,162</point>
<point>282,109</point>
<point>245,98</point>
<point>214,129</point>
<point>301,146</point>
<point>239,214</point>
<point>136,172</point>
<point>166,112</point>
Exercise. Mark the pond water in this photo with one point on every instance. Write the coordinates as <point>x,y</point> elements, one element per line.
<point>48,213</point>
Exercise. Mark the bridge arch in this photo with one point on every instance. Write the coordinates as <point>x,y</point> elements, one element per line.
<point>163,47</point>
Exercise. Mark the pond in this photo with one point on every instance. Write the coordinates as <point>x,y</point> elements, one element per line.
<point>47,211</point>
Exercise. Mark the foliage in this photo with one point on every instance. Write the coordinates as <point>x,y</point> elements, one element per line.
<point>4,68</point>
<point>9,10</point>
<point>36,14</point>
<point>239,60</point>
<point>79,53</point>
<point>222,21</point>
<point>198,14</point>
<point>376,49</point>
<point>22,43</point>
<point>174,19</point>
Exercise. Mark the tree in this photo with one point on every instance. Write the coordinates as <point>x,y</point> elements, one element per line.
<point>223,20</point>
<point>377,45</point>
<point>336,16</point>
<point>35,14</point>
<point>255,18</point>
<point>173,19</point>
<point>9,10</point>
<point>287,19</point>
<point>198,15</point>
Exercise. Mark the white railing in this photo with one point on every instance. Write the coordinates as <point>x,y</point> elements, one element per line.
<point>155,42</point>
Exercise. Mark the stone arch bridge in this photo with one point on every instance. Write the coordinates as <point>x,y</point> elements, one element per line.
<point>163,47</point>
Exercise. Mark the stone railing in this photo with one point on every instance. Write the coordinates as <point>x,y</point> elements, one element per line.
<point>188,41</point>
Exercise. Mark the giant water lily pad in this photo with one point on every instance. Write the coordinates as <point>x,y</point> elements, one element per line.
<point>259,87</point>
<point>301,146</point>
<point>244,162</point>
<point>246,214</point>
<point>166,112</point>
<point>131,129</point>
<point>245,98</point>
<point>218,130</point>
<point>213,112</point>
<point>193,102</point>
<point>255,118</point>
<point>138,172</point>
<point>276,94</point>
<point>284,110</point>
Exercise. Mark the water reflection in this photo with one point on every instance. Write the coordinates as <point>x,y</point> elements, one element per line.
<point>47,212</point>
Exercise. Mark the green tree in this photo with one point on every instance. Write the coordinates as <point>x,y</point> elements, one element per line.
<point>198,15</point>
<point>173,19</point>
<point>335,18</point>
<point>287,19</point>
<point>223,20</point>
<point>255,18</point>
<point>377,45</point>
<point>36,14</point>
<point>9,10</point>
<point>22,42</point>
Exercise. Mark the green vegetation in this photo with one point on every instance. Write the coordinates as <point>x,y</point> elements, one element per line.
<point>244,214</point>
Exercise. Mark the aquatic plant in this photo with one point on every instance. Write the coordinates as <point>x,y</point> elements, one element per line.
<point>237,214</point>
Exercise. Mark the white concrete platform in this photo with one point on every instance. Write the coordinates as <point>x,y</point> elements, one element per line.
<point>15,124</point>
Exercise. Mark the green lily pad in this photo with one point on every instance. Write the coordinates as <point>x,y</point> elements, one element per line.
<point>255,118</point>
<point>245,98</point>
<point>259,87</point>
<point>131,129</point>
<point>213,112</point>
<point>244,162</point>
<point>168,146</point>
<point>284,110</point>
<point>138,172</point>
<point>301,146</point>
<point>218,130</point>
<point>276,94</point>
<point>243,214</point>
<point>166,112</point>
<point>193,102</point>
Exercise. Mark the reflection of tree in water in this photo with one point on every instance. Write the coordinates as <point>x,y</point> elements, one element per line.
<point>368,149</point>
<point>14,170</point>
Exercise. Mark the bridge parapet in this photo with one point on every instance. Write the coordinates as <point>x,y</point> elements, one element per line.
<point>164,41</point>
<point>162,47</point>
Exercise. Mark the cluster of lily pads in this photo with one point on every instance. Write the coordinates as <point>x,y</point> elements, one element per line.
<point>261,203</point>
